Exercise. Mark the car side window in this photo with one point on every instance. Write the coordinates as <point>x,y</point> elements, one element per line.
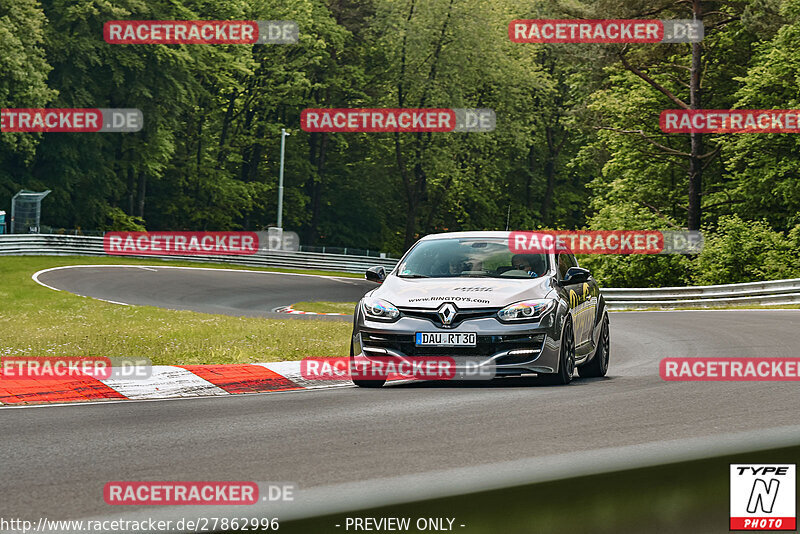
<point>563,266</point>
<point>565,261</point>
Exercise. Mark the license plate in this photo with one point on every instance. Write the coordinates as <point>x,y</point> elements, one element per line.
<point>446,339</point>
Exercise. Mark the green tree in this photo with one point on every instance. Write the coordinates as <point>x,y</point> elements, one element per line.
<point>747,251</point>
<point>22,85</point>
<point>765,167</point>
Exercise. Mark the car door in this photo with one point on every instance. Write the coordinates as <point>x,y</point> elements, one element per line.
<point>563,265</point>
<point>589,296</point>
<point>582,300</point>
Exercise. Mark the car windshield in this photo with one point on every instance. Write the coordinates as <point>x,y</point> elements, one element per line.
<point>482,258</point>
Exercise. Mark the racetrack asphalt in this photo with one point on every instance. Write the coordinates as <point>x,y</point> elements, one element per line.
<point>56,459</point>
<point>207,290</point>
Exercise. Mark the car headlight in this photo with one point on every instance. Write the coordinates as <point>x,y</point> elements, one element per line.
<point>526,310</point>
<point>379,309</point>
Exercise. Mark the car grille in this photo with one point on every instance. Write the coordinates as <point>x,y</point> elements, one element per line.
<point>461,315</point>
<point>485,346</point>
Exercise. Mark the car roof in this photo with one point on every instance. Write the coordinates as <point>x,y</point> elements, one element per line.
<point>467,235</point>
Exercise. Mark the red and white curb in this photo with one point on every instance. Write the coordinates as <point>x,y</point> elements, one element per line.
<point>289,309</point>
<point>165,382</point>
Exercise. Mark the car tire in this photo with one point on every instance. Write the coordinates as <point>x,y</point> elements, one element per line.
<point>364,383</point>
<point>598,365</point>
<point>566,360</point>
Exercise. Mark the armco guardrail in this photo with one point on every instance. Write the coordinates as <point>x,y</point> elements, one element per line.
<point>71,245</point>
<point>776,292</point>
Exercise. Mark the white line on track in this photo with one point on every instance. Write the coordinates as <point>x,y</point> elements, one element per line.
<point>111,301</point>
<point>36,275</point>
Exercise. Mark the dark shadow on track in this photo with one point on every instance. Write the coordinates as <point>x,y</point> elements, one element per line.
<point>499,382</point>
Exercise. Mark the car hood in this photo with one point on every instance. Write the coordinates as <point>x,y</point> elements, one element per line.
<point>430,293</point>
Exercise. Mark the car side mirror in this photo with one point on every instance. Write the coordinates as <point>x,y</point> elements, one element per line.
<point>376,274</point>
<point>576,275</point>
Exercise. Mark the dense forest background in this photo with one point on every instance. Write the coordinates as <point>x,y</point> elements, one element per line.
<point>577,143</point>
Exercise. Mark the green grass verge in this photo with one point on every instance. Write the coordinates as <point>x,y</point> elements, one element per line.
<point>37,321</point>
<point>326,307</point>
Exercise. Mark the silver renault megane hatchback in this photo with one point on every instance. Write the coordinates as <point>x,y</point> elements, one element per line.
<point>468,295</point>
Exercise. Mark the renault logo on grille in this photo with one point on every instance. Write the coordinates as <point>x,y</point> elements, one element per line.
<point>447,312</point>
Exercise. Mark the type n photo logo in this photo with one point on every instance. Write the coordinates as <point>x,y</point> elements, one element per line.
<point>763,497</point>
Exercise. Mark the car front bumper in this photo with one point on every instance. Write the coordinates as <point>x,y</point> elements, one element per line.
<point>503,348</point>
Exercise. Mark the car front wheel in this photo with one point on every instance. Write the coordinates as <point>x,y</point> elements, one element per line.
<point>598,366</point>
<point>566,361</point>
<point>363,383</point>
